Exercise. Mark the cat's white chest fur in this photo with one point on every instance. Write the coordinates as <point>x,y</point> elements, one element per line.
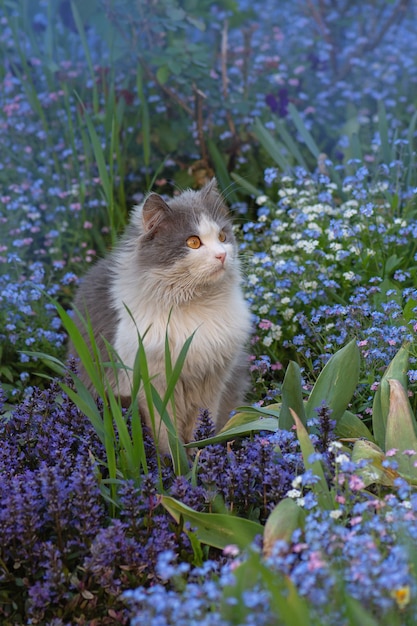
<point>219,327</point>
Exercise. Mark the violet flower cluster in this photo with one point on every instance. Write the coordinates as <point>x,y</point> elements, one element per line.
<point>61,550</point>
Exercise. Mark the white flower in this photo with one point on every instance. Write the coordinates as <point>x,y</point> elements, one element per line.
<point>342,458</point>
<point>287,314</point>
<point>294,493</point>
<point>261,200</point>
<point>336,514</point>
<point>335,445</point>
<point>296,482</point>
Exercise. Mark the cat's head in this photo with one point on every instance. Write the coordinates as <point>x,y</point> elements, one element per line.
<point>187,242</point>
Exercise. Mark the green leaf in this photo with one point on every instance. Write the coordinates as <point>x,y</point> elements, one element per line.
<point>56,365</point>
<point>387,154</point>
<point>291,145</point>
<point>373,471</point>
<point>214,529</point>
<point>337,382</point>
<point>222,173</point>
<point>303,130</point>
<point>397,369</point>
<point>401,431</point>
<point>357,614</point>
<point>270,424</point>
<point>273,148</point>
<point>292,608</point>
<point>292,397</point>
<point>408,311</point>
<point>247,186</point>
<point>350,426</point>
<point>286,517</point>
<point>320,488</point>
<point>162,74</point>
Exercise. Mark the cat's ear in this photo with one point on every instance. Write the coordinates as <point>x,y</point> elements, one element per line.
<point>210,188</point>
<point>154,211</point>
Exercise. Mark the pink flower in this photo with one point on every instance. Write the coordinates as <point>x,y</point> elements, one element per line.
<point>356,483</point>
<point>265,324</point>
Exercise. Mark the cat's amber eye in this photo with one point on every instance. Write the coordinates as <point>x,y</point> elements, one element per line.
<point>222,236</point>
<point>194,242</point>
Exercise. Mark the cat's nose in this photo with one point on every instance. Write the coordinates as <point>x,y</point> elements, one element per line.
<point>221,256</point>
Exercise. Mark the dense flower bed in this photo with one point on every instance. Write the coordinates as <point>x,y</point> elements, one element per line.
<point>327,229</point>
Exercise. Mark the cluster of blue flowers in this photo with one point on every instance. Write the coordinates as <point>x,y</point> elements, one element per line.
<point>325,269</point>
<point>366,557</point>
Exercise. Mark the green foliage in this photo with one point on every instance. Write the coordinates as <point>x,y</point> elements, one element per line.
<point>214,529</point>
<point>334,388</point>
<point>120,429</point>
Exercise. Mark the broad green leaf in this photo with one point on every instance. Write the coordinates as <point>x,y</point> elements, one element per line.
<point>292,397</point>
<point>401,431</point>
<point>320,489</point>
<point>269,423</point>
<point>337,382</point>
<point>350,426</point>
<point>272,409</point>
<point>373,471</point>
<point>287,606</point>
<point>162,74</point>
<point>397,369</point>
<point>286,517</point>
<point>408,311</point>
<point>214,529</point>
<point>292,608</point>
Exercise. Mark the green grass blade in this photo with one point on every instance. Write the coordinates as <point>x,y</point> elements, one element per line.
<point>84,43</point>
<point>145,122</point>
<point>386,152</point>
<point>305,134</point>
<point>86,404</point>
<point>222,173</point>
<point>247,186</point>
<point>290,143</point>
<point>273,148</point>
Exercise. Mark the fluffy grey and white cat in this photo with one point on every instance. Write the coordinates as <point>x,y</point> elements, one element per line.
<point>176,261</point>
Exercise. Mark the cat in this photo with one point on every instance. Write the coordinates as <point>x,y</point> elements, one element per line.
<point>177,261</point>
